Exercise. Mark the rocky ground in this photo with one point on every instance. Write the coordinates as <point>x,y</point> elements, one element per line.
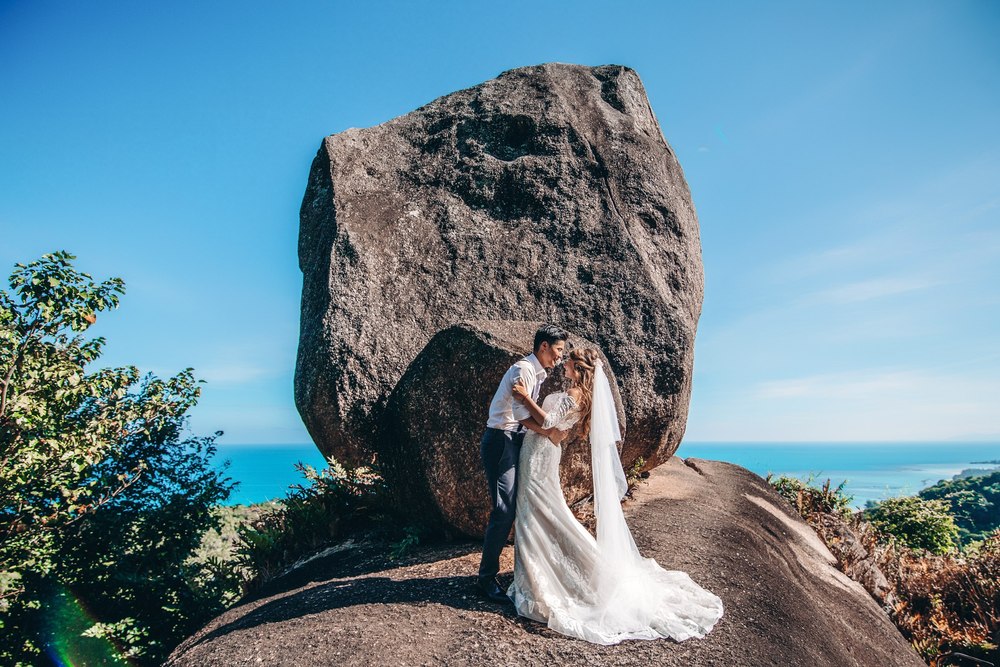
<point>786,603</point>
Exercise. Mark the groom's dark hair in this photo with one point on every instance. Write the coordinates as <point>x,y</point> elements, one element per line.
<point>548,333</point>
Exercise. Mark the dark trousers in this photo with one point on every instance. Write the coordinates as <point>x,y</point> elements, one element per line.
<point>500,451</point>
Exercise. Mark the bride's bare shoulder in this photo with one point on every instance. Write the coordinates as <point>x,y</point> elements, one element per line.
<point>574,393</point>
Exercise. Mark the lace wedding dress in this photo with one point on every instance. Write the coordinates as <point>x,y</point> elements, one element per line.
<point>602,591</point>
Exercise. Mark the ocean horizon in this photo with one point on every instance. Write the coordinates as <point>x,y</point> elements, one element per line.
<point>872,470</point>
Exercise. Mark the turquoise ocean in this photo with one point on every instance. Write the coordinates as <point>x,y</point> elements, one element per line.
<point>873,470</point>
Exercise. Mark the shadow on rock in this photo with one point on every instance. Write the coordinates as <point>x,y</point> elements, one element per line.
<point>354,559</point>
<point>456,592</point>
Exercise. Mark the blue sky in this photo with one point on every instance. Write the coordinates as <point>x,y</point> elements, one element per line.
<point>844,160</point>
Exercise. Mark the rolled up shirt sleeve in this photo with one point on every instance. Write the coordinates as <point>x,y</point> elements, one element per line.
<point>518,408</point>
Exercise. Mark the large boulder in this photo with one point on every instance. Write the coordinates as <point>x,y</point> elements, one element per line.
<point>429,440</point>
<point>548,193</point>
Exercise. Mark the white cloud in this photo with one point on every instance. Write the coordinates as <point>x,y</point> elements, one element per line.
<point>838,386</point>
<point>867,404</point>
<point>836,259</point>
<point>939,382</point>
<point>235,373</point>
<point>875,288</point>
<point>236,363</point>
<point>946,225</point>
<point>261,421</point>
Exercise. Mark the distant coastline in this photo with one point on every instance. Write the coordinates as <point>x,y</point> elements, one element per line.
<point>874,470</point>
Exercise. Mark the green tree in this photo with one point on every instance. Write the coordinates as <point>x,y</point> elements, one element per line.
<point>974,502</point>
<point>916,523</point>
<point>102,496</point>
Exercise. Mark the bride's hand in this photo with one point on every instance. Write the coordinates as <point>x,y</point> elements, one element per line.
<point>555,435</point>
<point>519,392</point>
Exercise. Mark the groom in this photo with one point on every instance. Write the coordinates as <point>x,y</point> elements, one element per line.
<point>500,447</point>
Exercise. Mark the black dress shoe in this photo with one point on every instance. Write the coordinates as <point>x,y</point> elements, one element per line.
<point>491,589</point>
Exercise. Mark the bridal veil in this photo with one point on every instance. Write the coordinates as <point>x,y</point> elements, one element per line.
<point>632,597</point>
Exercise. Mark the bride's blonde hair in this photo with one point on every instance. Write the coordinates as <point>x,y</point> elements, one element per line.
<point>585,362</point>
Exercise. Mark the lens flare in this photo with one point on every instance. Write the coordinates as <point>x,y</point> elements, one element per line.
<point>66,618</point>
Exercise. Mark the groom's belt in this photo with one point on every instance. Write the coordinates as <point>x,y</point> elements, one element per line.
<point>519,430</point>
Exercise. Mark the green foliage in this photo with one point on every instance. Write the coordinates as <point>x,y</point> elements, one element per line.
<point>809,499</point>
<point>102,497</point>
<point>400,549</point>
<point>56,423</point>
<point>973,501</point>
<point>333,505</point>
<point>217,551</point>
<point>634,473</point>
<point>916,523</point>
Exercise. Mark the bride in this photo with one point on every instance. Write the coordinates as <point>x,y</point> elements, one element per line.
<point>603,590</point>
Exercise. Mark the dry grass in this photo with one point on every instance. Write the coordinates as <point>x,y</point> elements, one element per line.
<point>943,604</point>
<point>948,603</point>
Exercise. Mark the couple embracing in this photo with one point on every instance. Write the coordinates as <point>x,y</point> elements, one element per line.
<point>599,590</point>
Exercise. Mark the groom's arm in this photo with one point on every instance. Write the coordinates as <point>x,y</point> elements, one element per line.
<point>526,378</point>
<point>527,413</point>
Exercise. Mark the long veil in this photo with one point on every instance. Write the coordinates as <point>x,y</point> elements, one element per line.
<point>633,597</point>
<point>613,536</point>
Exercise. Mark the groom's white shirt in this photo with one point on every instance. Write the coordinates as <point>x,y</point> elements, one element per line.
<point>505,412</point>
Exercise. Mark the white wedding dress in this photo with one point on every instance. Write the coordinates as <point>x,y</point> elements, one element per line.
<point>602,591</point>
